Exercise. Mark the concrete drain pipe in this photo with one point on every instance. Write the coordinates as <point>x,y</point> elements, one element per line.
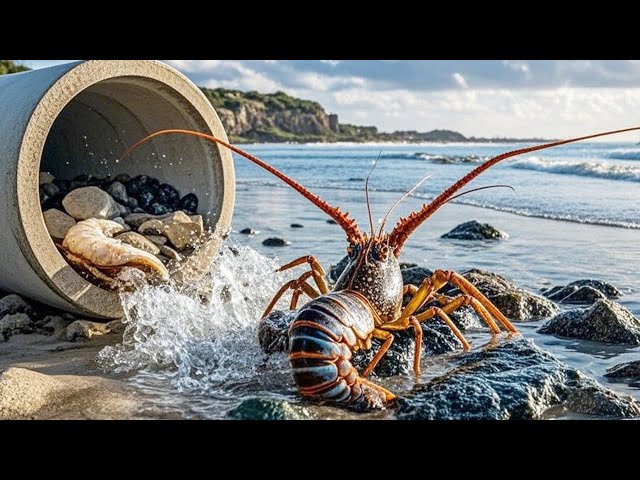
<point>76,119</point>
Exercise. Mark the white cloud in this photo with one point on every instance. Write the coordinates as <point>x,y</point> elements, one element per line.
<point>459,80</point>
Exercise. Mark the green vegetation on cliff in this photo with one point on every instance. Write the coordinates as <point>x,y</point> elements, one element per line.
<point>10,66</point>
<point>278,117</point>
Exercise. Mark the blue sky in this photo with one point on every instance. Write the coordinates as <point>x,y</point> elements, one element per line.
<point>479,97</point>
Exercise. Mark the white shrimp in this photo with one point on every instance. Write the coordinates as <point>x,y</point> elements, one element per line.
<point>90,244</point>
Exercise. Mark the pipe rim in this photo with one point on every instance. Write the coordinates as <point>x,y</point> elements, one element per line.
<point>81,295</point>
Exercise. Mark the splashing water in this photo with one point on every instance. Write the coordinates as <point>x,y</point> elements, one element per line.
<point>201,335</point>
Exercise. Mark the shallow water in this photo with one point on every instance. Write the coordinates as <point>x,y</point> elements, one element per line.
<point>198,361</point>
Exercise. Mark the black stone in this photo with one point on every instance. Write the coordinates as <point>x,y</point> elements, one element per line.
<point>50,189</point>
<point>415,275</point>
<point>404,265</point>
<point>158,209</point>
<point>140,184</point>
<point>625,370</point>
<point>296,225</point>
<point>269,409</point>
<point>167,195</point>
<point>605,321</point>
<point>189,203</point>
<point>80,181</point>
<point>123,178</point>
<point>275,242</point>
<point>138,210</point>
<point>145,199</point>
<point>273,331</point>
<point>475,231</point>
<point>132,203</point>
<point>565,293</point>
<point>513,380</point>
<point>249,231</point>
<point>336,270</point>
<point>63,186</point>
<point>332,221</point>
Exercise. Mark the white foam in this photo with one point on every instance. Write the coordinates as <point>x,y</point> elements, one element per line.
<point>202,334</point>
<point>587,169</point>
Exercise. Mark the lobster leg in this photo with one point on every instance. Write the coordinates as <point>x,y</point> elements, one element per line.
<point>441,277</point>
<point>291,284</point>
<point>381,334</point>
<point>451,304</point>
<point>316,269</point>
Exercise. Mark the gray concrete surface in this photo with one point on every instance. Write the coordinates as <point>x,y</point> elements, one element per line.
<point>78,118</point>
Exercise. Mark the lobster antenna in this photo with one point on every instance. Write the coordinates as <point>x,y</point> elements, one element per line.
<point>415,187</point>
<point>366,192</point>
<point>348,225</point>
<point>406,226</point>
<point>478,189</point>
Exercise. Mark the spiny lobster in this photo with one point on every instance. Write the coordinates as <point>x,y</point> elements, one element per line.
<point>366,301</point>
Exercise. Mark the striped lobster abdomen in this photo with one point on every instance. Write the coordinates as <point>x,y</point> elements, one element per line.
<point>322,338</point>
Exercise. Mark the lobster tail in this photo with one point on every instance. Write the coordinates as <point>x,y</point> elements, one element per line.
<point>321,340</point>
<point>406,226</point>
<point>348,224</point>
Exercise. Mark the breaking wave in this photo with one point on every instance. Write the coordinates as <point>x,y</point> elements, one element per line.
<point>586,169</point>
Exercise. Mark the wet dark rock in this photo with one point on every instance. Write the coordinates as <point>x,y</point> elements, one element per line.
<point>332,221</point>
<point>145,199</point>
<point>189,203</point>
<point>296,225</point>
<point>273,331</point>
<point>275,242</point>
<point>50,189</point>
<point>582,291</point>
<point>167,195</point>
<point>515,303</point>
<point>14,324</point>
<point>158,209</point>
<point>13,303</point>
<point>141,184</point>
<point>475,231</point>
<point>513,380</point>
<point>123,178</point>
<point>132,203</point>
<point>415,275</point>
<point>269,409</point>
<point>336,270</point>
<point>605,321</point>
<point>520,305</point>
<point>119,192</point>
<point>80,181</point>
<point>52,324</point>
<point>437,339</point>
<point>405,265</point>
<point>625,370</point>
<point>249,231</point>
<point>488,283</point>
<point>63,186</point>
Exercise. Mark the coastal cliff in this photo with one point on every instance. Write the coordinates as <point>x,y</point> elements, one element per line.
<point>278,117</point>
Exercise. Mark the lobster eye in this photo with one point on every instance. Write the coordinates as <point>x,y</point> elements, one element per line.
<point>351,251</point>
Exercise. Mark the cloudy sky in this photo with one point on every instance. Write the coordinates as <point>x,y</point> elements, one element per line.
<point>478,97</point>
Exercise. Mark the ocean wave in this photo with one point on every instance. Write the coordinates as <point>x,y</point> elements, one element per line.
<point>586,169</point>
<point>624,154</point>
<point>552,216</point>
